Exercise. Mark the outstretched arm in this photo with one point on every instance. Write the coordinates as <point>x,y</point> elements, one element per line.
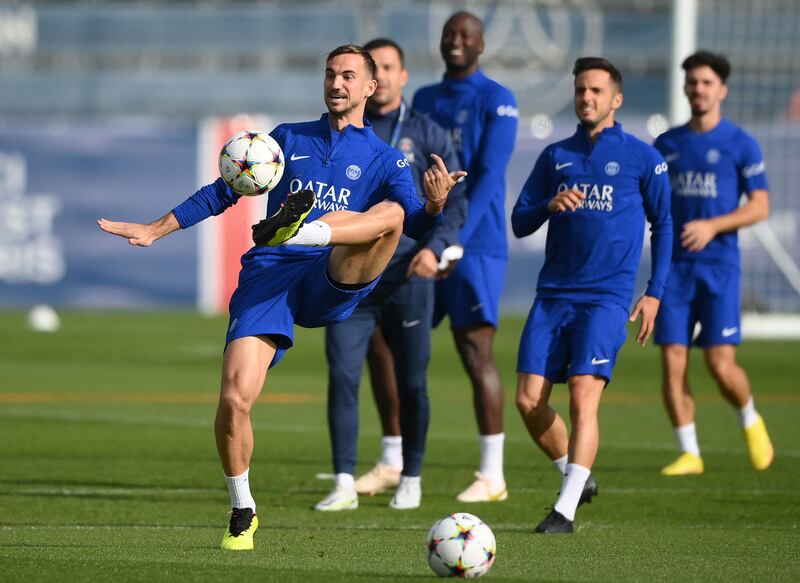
<point>139,234</point>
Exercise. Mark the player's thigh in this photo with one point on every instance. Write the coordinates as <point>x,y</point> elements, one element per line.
<point>677,314</point>
<point>543,349</point>
<point>244,369</point>
<point>718,306</point>
<point>596,335</point>
<point>470,295</point>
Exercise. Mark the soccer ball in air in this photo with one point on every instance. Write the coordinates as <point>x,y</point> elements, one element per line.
<point>251,163</point>
<point>460,545</point>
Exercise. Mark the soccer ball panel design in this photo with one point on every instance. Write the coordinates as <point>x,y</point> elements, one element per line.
<point>460,545</point>
<point>251,163</point>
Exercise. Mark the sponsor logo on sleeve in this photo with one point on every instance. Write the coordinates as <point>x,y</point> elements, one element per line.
<point>661,168</point>
<point>753,170</point>
<point>507,111</point>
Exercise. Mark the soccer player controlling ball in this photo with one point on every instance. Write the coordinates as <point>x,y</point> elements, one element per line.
<point>595,189</point>
<point>310,273</point>
<point>711,162</point>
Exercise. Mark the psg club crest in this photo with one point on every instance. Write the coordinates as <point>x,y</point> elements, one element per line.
<point>712,156</point>
<point>353,172</point>
<point>612,168</point>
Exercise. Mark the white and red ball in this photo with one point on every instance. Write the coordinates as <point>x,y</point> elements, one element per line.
<point>460,545</point>
<point>251,163</point>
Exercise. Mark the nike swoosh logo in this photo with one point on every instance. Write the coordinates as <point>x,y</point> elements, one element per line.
<point>296,157</point>
<point>411,324</point>
<point>596,360</point>
<point>564,165</point>
<point>475,308</point>
<point>671,157</point>
<point>729,331</point>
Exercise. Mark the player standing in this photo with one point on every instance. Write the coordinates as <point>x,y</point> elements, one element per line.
<point>595,189</point>
<point>401,305</point>
<point>481,116</point>
<point>319,274</point>
<point>711,163</point>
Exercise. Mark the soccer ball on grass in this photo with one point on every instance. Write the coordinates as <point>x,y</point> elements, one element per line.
<point>460,545</point>
<point>251,163</point>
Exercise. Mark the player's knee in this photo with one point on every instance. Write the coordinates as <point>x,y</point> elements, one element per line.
<point>392,215</point>
<point>530,404</point>
<point>233,402</point>
<point>720,366</point>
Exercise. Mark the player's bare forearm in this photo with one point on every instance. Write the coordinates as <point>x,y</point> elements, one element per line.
<point>647,308</point>
<point>141,234</point>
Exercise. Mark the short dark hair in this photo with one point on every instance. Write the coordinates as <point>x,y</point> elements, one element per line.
<point>588,63</point>
<point>718,63</point>
<point>352,49</point>
<point>382,43</point>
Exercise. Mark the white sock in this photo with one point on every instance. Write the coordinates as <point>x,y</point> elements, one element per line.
<point>561,465</point>
<point>313,234</point>
<point>687,439</point>
<point>571,490</point>
<point>345,481</point>
<point>747,414</point>
<point>392,451</point>
<point>492,456</point>
<point>239,491</point>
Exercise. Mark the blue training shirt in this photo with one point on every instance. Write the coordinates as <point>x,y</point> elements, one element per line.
<point>709,172</point>
<point>348,170</point>
<point>593,253</point>
<point>417,138</point>
<point>481,117</point>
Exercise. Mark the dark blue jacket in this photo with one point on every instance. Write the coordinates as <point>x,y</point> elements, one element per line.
<point>419,137</point>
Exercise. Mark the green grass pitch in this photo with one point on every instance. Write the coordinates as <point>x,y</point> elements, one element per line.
<point>108,470</point>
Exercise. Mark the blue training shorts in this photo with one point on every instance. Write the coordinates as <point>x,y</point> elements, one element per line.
<point>702,292</point>
<point>564,338</point>
<point>276,292</point>
<point>471,293</point>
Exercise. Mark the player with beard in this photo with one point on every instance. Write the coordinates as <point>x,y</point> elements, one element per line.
<point>399,310</point>
<point>595,189</point>
<point>711,162</point>
<point>310,273</point>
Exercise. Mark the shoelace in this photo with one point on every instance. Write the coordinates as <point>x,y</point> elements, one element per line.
<point>241,519</point>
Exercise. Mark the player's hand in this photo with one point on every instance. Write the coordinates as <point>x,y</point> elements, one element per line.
<point>139,234</point>
<point>424,264</point>
<point>437,183</point>
<point>697,234</point>
<point>647,306</point>
<point>567,200</point>
<point>135,233</point>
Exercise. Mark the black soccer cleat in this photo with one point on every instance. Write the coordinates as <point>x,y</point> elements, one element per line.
<point>285,223</point>
<point>590,490</point>
<point>554,523</point>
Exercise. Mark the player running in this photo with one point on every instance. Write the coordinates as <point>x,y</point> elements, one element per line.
<point>401,306</point>
<point>309,273</point>
<point>711,163</point>
<point>595,189</point>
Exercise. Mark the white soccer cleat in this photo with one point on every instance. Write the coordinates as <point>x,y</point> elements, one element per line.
<point>340,498</point>
<point>378,480</point>
<point>408,493</point>
<point>484,490</point>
